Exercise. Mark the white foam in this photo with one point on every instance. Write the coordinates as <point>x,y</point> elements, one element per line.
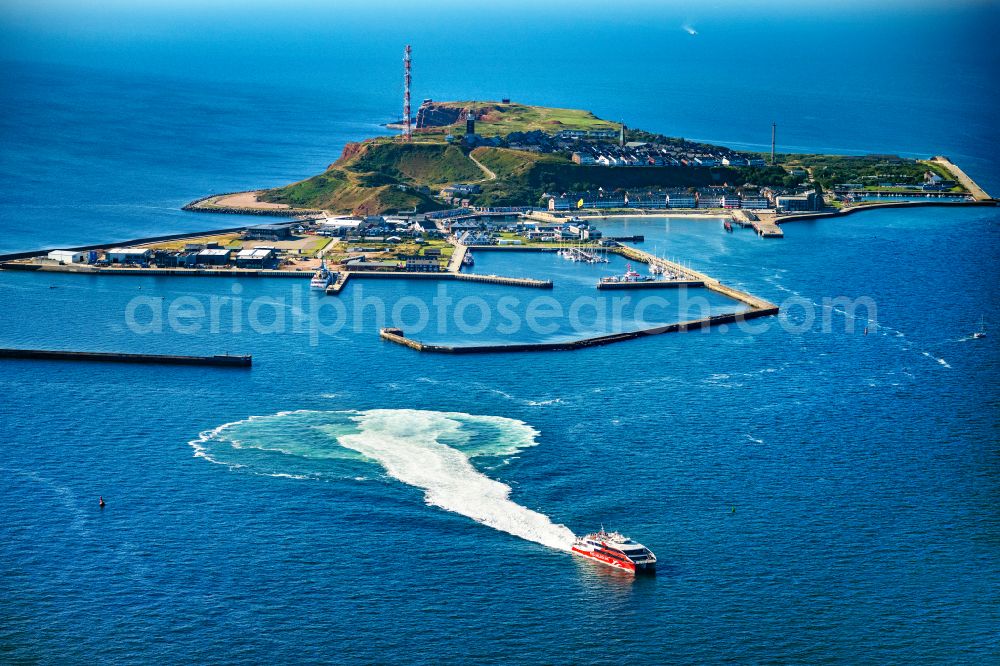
<point>415,447</point>
<point>940,361</point>
<point>542,403</point>
<point>407,443</point>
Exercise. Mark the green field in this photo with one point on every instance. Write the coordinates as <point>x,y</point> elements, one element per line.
<point>381,176</point>
<point>496,119</point>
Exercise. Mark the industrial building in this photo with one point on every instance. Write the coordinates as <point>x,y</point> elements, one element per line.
<point>214,256</point>
<point>258,257</point>
<point>128,255</point>
<point>67,256</point>
<point>271,232</point>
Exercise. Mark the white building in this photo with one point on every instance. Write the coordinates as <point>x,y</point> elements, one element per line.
<point>341,225</point>
<point>681,201</point>
<point>67,256</point>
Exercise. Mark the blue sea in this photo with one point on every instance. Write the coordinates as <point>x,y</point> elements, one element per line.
<point>818,487</point>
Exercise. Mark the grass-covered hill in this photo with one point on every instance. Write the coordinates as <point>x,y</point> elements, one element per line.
<point>380,176</point>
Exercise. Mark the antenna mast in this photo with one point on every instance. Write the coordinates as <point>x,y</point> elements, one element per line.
<point>774,127</point>
<point>407,130</point>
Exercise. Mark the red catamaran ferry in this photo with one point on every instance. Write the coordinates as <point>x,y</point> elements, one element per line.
<point>617,551</point>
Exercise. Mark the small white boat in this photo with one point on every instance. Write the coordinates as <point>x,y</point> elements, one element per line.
<point>322,278</point>
<point>981,333</point>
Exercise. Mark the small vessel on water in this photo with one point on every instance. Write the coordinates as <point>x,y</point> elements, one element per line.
<point>728,225</point>
<point>322,278</point>
<point>616,550</point>
<point>467,260</point>
<point>629,276</point>
<point>981,333</point>
<point>579,254</point>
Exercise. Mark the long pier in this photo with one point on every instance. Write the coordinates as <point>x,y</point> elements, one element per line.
<point>690,274</point>
<point>222,360</point>
<point>651,284</point>
<point>344,276</point>
<point>397,336</point>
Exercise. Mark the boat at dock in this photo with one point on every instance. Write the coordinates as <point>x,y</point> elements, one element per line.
<point>579,254</point>
<point>322,278</point>
<point>467,260</point>
<point>616,550</point>
<point>728,226</point>
<point>629,276</point>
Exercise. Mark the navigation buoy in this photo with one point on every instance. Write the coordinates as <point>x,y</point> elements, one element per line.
<point>866,330</point>
<point>100,502</point>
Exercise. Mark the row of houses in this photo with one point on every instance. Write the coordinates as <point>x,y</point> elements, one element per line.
<point>642,154</point>
<point>661,200</point>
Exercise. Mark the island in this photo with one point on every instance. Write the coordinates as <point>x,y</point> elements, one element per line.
<point>503,176</point>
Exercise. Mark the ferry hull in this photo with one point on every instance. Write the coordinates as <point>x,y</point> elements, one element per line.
<point>642,568</point>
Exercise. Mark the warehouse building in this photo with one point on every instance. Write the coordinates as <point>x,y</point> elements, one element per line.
<point>129,255</point>
<point>258,257</point>
<point>67,256</point>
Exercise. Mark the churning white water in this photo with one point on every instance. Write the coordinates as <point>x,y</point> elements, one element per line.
<point>425,449</point>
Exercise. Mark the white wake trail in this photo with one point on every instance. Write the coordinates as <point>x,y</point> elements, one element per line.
<point>407,443</point>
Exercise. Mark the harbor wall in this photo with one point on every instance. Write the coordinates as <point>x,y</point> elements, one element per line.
<point>113,357</point>
<point>397,336</point>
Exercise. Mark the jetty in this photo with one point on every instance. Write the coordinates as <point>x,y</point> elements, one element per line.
<point>337,286</point>
<point>457,257</point>
<point>764,224</point>
<point>650,284</point>
<point>221,360</point>
<point>978,193</point>
<point>397,336</point>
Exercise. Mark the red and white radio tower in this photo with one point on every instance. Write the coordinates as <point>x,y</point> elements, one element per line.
<point>407,131</point>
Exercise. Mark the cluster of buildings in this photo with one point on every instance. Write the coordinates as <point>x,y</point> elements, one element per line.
<point>395,227</point>
<point>458,193</point>
<point>191,256</point>
<point>491,231</point>
<point>932,182</point>
<point>708,197</point>
<point>642,154</point>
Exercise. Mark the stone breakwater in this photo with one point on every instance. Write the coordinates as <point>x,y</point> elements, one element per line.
<point>210,204</point>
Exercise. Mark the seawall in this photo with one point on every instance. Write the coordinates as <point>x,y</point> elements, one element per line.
<point>397,336</point>
<point>222,360</point>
